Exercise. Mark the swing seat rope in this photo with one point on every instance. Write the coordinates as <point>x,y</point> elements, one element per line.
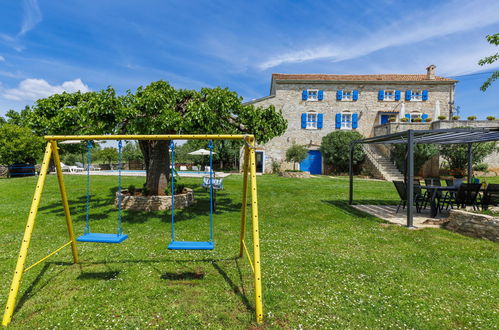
<point>191,245</point>
<point>88,236</point>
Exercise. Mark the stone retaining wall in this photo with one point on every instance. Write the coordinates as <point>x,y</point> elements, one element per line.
<point>155,203</point>
<point>4,171</point>
<point>296,174</point>
<point>474,225</point>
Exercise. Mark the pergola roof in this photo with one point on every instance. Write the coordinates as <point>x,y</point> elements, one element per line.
<point>438,136</point>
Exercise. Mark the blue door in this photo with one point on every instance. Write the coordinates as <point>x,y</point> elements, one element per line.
<point>385,119</point>
<point>313,163</point>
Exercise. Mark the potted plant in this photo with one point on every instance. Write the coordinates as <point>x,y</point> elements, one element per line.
<point>491,118</point>
<point>442,117</point>
<point>417,120</point>
<point>471,117</point>
<point>427,120</point>
<point>392,119</point>
<point>404,120</point>
<point>456,117</point>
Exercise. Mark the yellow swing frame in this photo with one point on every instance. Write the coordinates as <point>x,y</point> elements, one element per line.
<point>51,150</point>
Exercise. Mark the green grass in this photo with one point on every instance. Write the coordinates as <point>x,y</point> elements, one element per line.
<point>324,264</point>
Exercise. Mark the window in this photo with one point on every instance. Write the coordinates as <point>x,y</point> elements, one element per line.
<point>347,96</point>
<point>389,96</point>
<point>416,96</point>
<point>346,120</point>
<point>312,95</point>
<point>415,115</point>
<point>311,120</point>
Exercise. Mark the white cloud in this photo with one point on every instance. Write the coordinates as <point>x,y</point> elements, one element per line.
<point>34,89</point>
<point>2,59</point>
<point>32,16</point>
<point>421,26</point>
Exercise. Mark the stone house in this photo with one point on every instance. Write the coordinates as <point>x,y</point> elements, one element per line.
<point>317,104</point>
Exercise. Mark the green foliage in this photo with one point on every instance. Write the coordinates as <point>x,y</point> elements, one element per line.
<point>108,154</point>
<point>19,145</point>
<point>276,167</point>
<point>442,117</point>
<point>493,40</point>
<point>481,167</point>
<point>404,120</point>
<point>457,154</point>
<point>335,148</point>
<point>491,118</point>
<point>422,153</point>
<point>428,120</point>
<point>132,189</point>
<point>296,153</point>
<point>456,117</point>
<point>131,151</point>
<point>471,117</point>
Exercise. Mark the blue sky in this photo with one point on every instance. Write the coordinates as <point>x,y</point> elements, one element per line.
<point>50,46</point>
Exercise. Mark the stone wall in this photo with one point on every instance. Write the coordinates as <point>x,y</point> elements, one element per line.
<point>295,174</point>
<point>4,171</point>
<point>288,99</point>
<point>155,203</point>
<point>474,225</point>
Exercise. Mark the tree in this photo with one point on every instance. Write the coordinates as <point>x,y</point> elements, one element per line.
<point>422,153</point>
<point>336,149</point>
<point>493,40</point>
<point>19,145</point>
<point>131,151</point>
<point>457,154</point>
<point>155,109</point>
<point>296,153</point>
<point>108,154</point>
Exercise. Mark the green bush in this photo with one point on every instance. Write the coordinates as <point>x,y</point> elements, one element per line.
<point>19,145</point>
<point>276,167</point>
<point>491,118</point>
<point>336,149</point>
<point>422,153</point>
<point>481,167</point>
<point>428,120</point>
<point>442,117</point>
<point>471,117</point>
<point>404,120</point>
<point>457,154</point>
<point>132,189</point>
<point>296,153</point>
<point>456,117</point>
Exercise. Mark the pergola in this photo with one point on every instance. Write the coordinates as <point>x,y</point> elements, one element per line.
<point>436,136</point>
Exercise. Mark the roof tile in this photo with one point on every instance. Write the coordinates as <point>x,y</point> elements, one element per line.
<point>360,77</point>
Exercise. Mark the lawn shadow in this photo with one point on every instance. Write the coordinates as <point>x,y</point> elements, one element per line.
<point>199,275</point>
<point>240,292</point>
<point>343,205</point>
<point>106,276</point>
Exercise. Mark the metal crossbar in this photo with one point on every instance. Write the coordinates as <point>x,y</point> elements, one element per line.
<point>47,256</point>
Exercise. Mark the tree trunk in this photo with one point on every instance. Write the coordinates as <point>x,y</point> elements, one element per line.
<point>157,163</point>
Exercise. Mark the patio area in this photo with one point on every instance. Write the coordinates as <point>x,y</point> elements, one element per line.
<point>388,213</point>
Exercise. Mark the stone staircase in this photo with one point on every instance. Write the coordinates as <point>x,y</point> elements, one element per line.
<point>381,166</point>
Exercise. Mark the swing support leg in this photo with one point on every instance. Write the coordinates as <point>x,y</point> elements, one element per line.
<point>18,273</point>
<point>244,202</point>
<point>64,197</point>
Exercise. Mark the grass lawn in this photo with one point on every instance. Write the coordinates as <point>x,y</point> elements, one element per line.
<point>324,264</point>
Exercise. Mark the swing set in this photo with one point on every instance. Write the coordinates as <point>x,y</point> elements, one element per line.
<point>51,150</point>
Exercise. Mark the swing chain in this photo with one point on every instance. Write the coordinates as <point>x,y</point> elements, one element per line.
<point>120,145</point>
<point>87,205</point>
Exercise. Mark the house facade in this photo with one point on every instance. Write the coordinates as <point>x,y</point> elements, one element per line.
<point>317,104</point>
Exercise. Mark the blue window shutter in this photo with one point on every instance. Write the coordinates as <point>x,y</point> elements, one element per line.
<point>381,95</point>
<point>355,95</point>
<point>424,116</point>
<point>407,95</point>
<point>408,116</point>
<point>397,95</point>
<point>338,120</point>
<point>304,95</point>
<point>303,120</point>
<point>425,95</point>
<point>320,95</point>
<point>339,95</point>
<point>355,120</point>
<point>319,120</point>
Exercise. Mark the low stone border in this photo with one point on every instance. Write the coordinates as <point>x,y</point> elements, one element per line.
<point>474,224</point>
<point>296,174</point>
<point>155,203</point>
<point>4,171</point>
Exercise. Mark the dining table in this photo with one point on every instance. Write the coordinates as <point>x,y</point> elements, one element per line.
<point>433,194</point>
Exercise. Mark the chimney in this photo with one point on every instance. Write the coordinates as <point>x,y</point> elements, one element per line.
<point>430,72</point>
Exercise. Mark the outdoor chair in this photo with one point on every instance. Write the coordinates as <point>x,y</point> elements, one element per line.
<point>449,182</point>
<point>217,185</point>
<point>183,168</point>
<point>466,195</point>
<point>195,168</point>
<point>490,196</point>
<point>402,191</point>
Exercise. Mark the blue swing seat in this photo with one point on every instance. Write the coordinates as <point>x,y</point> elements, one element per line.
<point>102,238</point>
<point>186,245</point>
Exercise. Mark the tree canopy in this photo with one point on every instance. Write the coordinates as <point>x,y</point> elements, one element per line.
<point>493,40</point>
<point>336,149</point>
<point>19,145</point>
<point>296,153</point>
<point>158,108</point>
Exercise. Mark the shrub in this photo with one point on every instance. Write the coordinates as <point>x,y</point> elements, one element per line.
<point>417,120</point>
<point>456,117</point>
<point>336,149</point>
<point>491,118</point>
<point>442,117</point>
<point>404,120</point>
<point>132,189</point>
<point>457,154</point>
<point>276,167</point>
<point>471,117</point>
<point>481,167</point>
<point>296,153</point>
<point>428,120</point>
<point>19,145</point>
<point>392,119</point>
<point>422,153</point>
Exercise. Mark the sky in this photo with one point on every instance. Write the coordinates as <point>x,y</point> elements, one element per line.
<point>51,46</point>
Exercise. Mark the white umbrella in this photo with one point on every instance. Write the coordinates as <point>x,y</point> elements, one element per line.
<point>402,111</point>
<point>201,152</point>
<point>437,110</point>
